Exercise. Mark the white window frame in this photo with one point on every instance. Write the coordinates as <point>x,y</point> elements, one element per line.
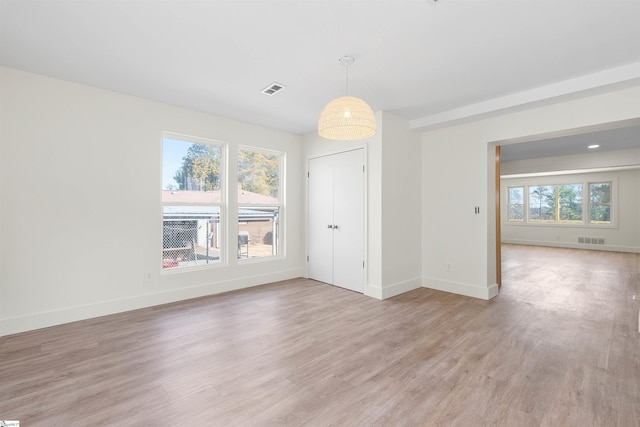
<point>524,204</point>
<point>222,204</point>
<point>586,204</point>
<point>280,243</point>
<point>611,204</point>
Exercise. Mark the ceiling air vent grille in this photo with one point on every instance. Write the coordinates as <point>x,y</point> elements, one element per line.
<point>272,89</point>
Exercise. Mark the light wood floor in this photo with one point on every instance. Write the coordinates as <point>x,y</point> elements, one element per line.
<point>558,347</point>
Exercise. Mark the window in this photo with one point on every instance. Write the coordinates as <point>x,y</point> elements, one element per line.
<point>191,202</point>
<point>542,203</point>
<point>600,203</point>
<point>259,201</point>
<point>560,203</point>
<point>516,204</point>
<point>570,203</point>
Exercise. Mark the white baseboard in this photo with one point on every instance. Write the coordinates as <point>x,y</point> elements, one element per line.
<point>401,287</point>
<point>392,290</point>
<point>373,291</point>
<point>480,292</point>
<point>71,314</point>
<point>556,244</point>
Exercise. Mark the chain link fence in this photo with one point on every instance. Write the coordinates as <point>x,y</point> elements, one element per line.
<point>188,243</point>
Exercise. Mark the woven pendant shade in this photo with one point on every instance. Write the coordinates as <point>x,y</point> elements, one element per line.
<point>347,119</point>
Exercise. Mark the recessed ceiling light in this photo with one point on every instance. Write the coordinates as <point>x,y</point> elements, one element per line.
<point>593,146</point>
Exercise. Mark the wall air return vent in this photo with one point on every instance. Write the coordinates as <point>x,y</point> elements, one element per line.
<point>272,89</point>
<point>591,240</point>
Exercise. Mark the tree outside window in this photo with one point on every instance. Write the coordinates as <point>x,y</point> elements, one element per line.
<point>200,169</point>
<point>570,203</point>
<point>560,203</point>
<point>516,204</point>
<point>542,203</point>
<point>600,203</point>
<point>191,203</point>
<point>259,203</point>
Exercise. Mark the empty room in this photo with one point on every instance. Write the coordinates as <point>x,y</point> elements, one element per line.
<point>225,213</point>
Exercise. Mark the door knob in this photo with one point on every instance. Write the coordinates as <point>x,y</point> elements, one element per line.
<point>329,226</point>
<point>335,227</point>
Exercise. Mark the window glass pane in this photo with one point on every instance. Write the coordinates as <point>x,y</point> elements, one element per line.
<point>190,236</point>
<point>258,175</point>
<point>600,203</point>
<point>258,231</point>
<point>601,214</point>
<point>600,192</point>
<point>516,204</point>
<point>570,202</point>
<point>190,166</point>
<point>542,203</point>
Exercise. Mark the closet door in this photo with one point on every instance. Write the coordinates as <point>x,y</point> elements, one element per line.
<point>348,218</point>
<point>321,219</point>
<point>336,219</point>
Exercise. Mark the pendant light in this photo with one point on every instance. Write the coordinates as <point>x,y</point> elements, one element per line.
<point>347,118</point>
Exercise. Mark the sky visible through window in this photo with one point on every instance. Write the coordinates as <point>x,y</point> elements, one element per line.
<point>173,151</point>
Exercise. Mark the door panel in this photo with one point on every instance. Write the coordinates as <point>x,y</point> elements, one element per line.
<point>320,218</point>
<point>336,219</point>
<point>348,214</point>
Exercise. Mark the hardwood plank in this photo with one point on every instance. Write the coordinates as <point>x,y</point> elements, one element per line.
<point>558,346</point>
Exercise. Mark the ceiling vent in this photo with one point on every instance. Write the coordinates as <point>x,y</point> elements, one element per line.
<point>272,89</point>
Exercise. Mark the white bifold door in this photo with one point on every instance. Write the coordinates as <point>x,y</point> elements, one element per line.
<point>336,219</point>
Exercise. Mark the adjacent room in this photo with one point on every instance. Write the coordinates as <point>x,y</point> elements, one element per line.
<point>395,212</point>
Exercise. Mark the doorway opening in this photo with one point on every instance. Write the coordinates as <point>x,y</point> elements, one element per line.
<point>562,154</point>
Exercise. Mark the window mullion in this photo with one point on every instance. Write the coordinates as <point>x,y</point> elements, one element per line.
<point>557,213</point>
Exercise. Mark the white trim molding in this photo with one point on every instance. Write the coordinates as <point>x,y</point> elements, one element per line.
<point>474,291</point>
<point>71,314</point>
<point>619,77</point>
<point>586,246</point>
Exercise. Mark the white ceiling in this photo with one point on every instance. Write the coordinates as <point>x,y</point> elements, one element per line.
<point>618,138</point>
<point>428,62</point>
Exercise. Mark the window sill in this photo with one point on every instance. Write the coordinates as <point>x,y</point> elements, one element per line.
<point>560,224</point>
<point>260,259</point>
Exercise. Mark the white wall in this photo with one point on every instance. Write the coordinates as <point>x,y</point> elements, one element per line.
<point>623,236</point>
<point>401,206</point>
<point>392,203</point>
<point>80,213</point>
<point>579,162</point>
<point>315,146</point>
<point>458,174</point>
<point>80,202</point>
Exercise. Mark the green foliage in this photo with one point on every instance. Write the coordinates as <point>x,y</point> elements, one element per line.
<point>570,201</point>
<point>200,168</point>
<point>542,203</point>
<point>561,203</point>
<point>600,194</point>
<point>259,172</point>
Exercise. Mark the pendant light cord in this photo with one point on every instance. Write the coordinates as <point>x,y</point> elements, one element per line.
<point>346,82</point>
